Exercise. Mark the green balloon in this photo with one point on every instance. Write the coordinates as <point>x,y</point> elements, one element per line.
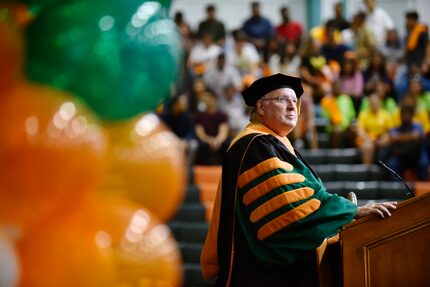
<point>121,57</point>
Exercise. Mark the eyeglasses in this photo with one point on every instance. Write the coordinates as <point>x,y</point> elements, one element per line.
<point>283,100</point>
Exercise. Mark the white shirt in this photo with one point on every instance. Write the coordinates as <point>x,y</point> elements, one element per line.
<point>379,22</point>
<point>217,79</point>
<point>204,55</point>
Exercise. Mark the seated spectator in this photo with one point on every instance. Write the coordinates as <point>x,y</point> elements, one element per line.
<point>290,60</point>
<point>420,116</point>
<point>405,75</point>
<point>339,109</point>
<point>393,52</point>
<point>199,88</point>
<point>231,103</point>
<point>223,74</point>
<point>314,70</point>
<point>177,117</point>
<point>339,21</point>
<point>284,59</point>
<point>203,55</point>
<point>351,80</point>
<point>407,144</point>
<point>258,28</point>
<point>360,39</point>
<point>375,72</point>
<point>417,39</point>
<point>387,102</point>
<point>243,55</point>
<point>212,26</point>
<point>184,30</point>
<point>332,50</point>
<point>211,128</point>
<point>289,30</point>
<point>319,33</point>
<point>373,125</point>
<point>422,97</point>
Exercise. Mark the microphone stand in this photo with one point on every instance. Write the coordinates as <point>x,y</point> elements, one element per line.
<point>396,177</point>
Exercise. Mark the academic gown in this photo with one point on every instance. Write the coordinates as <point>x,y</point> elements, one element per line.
<point>271,212</point>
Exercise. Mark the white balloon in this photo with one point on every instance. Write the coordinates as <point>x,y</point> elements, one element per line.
<point>9,265</point>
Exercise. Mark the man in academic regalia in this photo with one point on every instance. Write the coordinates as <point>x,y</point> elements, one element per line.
<point>271,209</point>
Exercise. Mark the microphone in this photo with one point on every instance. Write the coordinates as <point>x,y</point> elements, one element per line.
<point>396,177</point>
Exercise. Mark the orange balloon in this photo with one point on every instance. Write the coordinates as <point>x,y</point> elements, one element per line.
<point>108,241</point>
<point>147,163</point>
<point>51,153</point>
<point>11,47</point>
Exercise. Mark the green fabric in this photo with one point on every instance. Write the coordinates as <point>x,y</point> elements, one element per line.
<point>286,245</point>
<point>423,102</point>
<point>388,104</point>
<point>346,106</point>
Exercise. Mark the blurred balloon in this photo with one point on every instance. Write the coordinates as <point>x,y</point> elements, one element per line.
<point>9,265</point>
<point>147,164</point>
<point>120,56</point>
<point>11,48</point>
<point>51,153</point>
<point>108,241</point>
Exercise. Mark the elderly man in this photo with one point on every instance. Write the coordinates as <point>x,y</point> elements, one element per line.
<point>271,209</point>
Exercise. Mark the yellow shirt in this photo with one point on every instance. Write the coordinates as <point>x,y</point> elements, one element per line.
<point>374,124</point>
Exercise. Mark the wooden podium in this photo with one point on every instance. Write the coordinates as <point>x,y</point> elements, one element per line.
<point>394,251</point>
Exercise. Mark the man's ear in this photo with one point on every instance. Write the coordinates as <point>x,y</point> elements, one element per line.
<point>259,108</point>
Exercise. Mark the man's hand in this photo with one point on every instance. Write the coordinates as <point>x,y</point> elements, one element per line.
<point>382,209</point>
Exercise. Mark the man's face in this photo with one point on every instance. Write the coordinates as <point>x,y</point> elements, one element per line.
<point>279,116</point>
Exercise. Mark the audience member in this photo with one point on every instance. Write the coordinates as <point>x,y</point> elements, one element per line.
<point>338,109</point>
<point>185,30</point>
<point>211,128</point>
<point>407,144</point>
<point>387,102</point>
<point>339,21</point>
<point>420,116</point>
<point>351,80</point>
<point>258,28</point>
<point>314,70</point>
<point>362,39</point>
<point>223,74</point>
<point>417,39</point>
<point>203,55</point>
<point>379,21</point>
<point>422,97</point>
<point>212,26</point>
<point>177,117</point>
<point>243,55</point>
<point>289,30</point>
<point>287,62</point>
<point>232,104</point>
<point>406,74</point>
<point>375,72</point>
<point>333,50</point>
<point>393,52</point>
<point>373,125</point>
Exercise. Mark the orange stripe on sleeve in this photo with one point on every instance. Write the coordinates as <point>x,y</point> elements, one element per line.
<point>262,168</point>
<point>288,218</point>
<point>271,184</point>
<point>280,201</point>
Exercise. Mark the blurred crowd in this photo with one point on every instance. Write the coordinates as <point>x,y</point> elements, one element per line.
<point>366,86</point>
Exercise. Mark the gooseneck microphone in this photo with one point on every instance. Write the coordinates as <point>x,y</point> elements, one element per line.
<point>396,177</point>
